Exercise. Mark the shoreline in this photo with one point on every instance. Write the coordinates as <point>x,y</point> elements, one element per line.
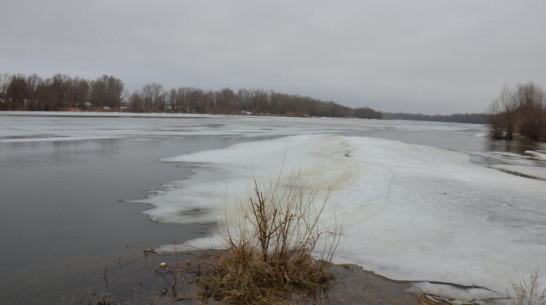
<point>143,281</point>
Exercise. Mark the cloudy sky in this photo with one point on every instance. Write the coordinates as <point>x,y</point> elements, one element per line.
<point>412,56</point>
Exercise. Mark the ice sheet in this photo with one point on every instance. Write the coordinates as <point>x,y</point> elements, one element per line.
<point>534,172</point>
<point>77,126</point>
<point>539,155</point>
<point>532,164</point>
<point>409,212</point>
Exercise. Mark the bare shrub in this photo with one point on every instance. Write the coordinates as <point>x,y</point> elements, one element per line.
<point>271,245</point>
<point>520,111</point>
<point>528,291</point>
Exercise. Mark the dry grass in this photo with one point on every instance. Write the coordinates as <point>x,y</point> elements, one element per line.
<point>528,291</point>
<point>270,246</point>
<point>424,299</point>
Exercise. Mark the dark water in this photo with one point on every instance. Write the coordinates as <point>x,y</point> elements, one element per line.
<point>468,139</point>
<point>64,216</point>
<point>64,210</point>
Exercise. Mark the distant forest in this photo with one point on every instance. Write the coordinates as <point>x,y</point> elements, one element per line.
<point>106,93</point>
<point>474,118</point>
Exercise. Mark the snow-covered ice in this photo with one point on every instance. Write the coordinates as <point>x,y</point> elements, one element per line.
<point>539,155</point>
<point>77,126</point>
<point>533,172</point>
<point>408,212</point>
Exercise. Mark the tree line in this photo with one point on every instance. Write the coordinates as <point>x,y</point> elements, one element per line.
<point>520,110</point>
<point>473,118</point>
<point>63,92</point>
<point>60,92</point>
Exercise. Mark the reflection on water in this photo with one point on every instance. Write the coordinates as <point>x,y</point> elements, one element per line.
<point>64,216</point>
<point>514,146</point>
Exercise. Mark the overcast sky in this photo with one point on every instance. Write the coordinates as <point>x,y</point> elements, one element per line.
<point>409,56</point>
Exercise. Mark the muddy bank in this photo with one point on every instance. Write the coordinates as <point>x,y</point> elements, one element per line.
<point>141,280</point>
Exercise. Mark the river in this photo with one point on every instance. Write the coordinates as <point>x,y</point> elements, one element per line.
<point>68,183</point>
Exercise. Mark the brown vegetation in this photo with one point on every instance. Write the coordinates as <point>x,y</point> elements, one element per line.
<point>473,118</point>
<point>528,291</point>
<point>62,92</point>
<point>521,111</point>
<point>270,245</point>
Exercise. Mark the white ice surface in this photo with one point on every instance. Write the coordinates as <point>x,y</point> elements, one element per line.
<point>408,212</point>
<point>534,172</point>
<point>532,164</point>
<point>77,126</point>
<point>540,154</point>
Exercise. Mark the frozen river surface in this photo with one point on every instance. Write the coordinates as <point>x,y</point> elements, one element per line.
<point>426,202</point>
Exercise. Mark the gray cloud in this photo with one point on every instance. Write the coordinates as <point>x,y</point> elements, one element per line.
<point>412,56</point>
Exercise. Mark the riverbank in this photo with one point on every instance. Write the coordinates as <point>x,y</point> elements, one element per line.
<point>142,280</point>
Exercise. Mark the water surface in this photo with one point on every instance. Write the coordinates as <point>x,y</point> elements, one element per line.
<point>66,185</point>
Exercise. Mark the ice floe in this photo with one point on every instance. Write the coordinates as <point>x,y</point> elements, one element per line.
<point>409,212</point>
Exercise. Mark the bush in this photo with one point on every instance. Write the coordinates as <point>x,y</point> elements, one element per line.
<point>521,110</point>
<point>270,248</point>
<point>528,291</point>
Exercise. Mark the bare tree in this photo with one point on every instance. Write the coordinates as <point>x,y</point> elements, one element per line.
<point>33,82</point>
<point>521,111</point>
<point>153,96</point>
<point>171,98</point>
<point>106,91</point>
<point>530,100</point>
<point>4,81</point>
<point>367,113</point>
<point>495,120</point>
<point>78,93</point>
<point>17,93</point>
<point>226,101</point>
<point>136,104</point>
<point>194,97</point>
<point>62,92</point>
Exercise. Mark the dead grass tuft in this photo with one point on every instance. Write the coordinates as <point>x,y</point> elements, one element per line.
<point>528,291</point>
<point>423,299</point>
<point>270,247</point>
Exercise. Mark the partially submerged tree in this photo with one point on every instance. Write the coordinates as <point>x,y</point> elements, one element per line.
<point>530,100</point>
<point>521,110</point>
